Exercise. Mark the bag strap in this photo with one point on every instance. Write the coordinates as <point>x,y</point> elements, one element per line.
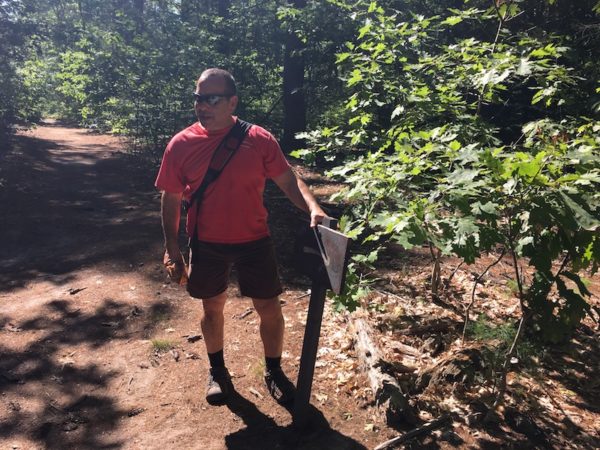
<point>221,156</point>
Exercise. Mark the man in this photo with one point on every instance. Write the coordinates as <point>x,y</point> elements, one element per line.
<point>230,226</point>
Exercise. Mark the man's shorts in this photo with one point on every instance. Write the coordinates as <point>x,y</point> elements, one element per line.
<point>254,262</point>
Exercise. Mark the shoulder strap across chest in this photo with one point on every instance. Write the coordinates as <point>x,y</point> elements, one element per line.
<point>221,156</point>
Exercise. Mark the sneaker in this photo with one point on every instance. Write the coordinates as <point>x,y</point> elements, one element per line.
<point>279,386</point>
<point>218,385</point>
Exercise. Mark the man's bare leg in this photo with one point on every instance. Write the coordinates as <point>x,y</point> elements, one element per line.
<point>212,324</point>
<point>272,326</point>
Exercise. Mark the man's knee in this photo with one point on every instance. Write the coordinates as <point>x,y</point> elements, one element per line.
<point>213,307</point>
<point>267,308</point>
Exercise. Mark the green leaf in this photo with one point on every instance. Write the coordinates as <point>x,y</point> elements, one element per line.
<point>365,29</point>
<point>462,176</point>
<point>583,218</point>
<point>300,153</point>
<point>422,92</point>
<point>452,20</point>
<point>465,228</point>
<point>487,208</point>
<point>523,242</point>
<point>385,221</point>
<point>454,145</point>
<point>356,77</point>
<point>525,67</point>
<point>397,111</point>
<point>548,50</point>
<point>575,309</point>
<point>341,57</point>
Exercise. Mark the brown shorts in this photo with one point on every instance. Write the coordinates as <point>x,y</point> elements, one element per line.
<point>254,262</point>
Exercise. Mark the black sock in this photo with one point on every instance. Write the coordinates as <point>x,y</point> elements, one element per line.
<point>273,363</point>
<point>216,359</point>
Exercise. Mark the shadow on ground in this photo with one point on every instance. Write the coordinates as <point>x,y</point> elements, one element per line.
<point>53,400</point>
<point>262,432</point>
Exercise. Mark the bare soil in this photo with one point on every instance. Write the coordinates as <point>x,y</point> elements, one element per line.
<point>99,351</point>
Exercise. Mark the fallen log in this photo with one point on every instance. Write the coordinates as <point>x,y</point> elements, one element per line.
<point>461,367</point>
<point>388,393</point>
<point>436,326</point>
<point>406,349</point>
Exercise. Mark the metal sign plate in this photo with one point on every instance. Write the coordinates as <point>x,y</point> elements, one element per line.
<point>334,250</point>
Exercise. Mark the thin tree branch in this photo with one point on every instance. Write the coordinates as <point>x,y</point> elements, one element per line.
<point>477,281</point>
<point>392,443</point>
<point>501,22</point>
<point>509,355</point>
<point>435,273</point>
<point>562,265</point>
<point>453,273</point>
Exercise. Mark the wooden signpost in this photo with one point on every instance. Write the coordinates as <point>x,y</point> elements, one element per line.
<point>333,248</point>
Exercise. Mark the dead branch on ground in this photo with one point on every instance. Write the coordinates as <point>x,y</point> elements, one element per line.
<point>414,433</point>
<point>388,393</point>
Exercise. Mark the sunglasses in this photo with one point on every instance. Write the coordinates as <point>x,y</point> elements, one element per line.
<point>211,99</point>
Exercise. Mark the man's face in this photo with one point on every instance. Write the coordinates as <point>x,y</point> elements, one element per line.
<point>217,116</point>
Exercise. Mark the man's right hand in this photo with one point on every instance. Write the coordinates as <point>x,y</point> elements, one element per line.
<point>176,268</point>
<point>170,214</point>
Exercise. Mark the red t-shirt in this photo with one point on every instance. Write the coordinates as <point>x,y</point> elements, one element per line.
<point>232,209</point>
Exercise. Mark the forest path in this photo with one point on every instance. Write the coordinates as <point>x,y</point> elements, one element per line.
<point>98,351</point>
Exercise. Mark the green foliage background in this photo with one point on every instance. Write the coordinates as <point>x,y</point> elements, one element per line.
<point>129,67</point>
<point>472,131</point>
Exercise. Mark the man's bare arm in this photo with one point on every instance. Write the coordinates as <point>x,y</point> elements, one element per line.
<point>299,194</point>
<point>170,211</point>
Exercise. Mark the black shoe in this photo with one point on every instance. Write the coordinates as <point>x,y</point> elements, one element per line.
<point>279,386</point>
<point>217,390</point>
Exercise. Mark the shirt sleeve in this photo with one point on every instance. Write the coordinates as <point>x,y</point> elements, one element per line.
<point>169,177</point>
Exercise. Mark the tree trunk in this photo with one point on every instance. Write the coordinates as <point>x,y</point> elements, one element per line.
<point>81,14</point>
<point>138,9</point>
<point>225,39</point>
<point>223,8</point>
<point>294,105</point>
<point>185,9</point>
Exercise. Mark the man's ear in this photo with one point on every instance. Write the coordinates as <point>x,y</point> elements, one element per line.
<point>233,102</point>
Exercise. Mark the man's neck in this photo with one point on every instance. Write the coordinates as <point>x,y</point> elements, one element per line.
<point>215,128</point>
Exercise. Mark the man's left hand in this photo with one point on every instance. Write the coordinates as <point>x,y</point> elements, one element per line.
<point>316,216</point>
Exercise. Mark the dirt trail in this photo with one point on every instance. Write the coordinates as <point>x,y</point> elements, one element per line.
<point>84,306</point>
